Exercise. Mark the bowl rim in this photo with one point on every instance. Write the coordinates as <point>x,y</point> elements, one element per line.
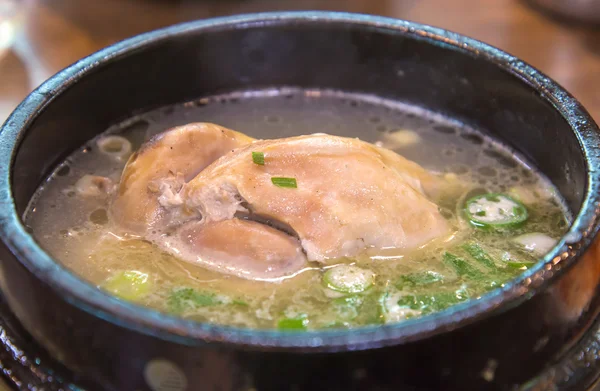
<point>96,302</point>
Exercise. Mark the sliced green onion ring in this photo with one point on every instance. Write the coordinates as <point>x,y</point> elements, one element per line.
<point>495,211</point>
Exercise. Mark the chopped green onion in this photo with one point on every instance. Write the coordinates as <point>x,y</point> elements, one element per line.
<point>462,267</point>
<point>129,285</point>
<point>433,302</point>
<point>391,311</point>
<point>348,279</point>
<point>188,298</point>
<point>299,322</point>
<point>495,211</point>
<point>479,254</point>
<point>284,182</point>
<point>519,265</point>
<point>421,278</point>
<point>258,158</point>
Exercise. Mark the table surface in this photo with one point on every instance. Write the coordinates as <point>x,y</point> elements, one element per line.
<point>59,32</point>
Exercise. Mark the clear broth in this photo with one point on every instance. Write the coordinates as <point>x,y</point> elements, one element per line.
<point>74,230</point>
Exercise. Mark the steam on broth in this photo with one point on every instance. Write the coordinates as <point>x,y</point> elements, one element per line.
<point>498,217</point>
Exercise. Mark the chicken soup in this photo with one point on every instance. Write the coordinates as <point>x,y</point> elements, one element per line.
<point>296,210</point>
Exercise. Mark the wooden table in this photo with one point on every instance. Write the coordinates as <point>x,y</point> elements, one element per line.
<point>58,32</point>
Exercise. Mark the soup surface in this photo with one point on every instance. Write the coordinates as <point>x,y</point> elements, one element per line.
<point>503,216</point>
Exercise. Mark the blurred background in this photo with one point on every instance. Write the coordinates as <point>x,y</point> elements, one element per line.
<point>40,37</point>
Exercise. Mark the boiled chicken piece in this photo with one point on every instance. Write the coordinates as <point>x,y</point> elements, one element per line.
<point>231,216</point>
<point>240,247</point>
<point>350,195</point>
<point>170,159</point>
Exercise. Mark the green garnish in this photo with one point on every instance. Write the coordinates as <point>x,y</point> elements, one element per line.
<point>479,254</point>
<point>495,211</point>
<point>519,265</point>
<point>434,302</point>
<point>188,298</point>
<point>284,182</point>
<point>129,285</point>
<point>258,158</point>
<point>421,278</point>
<point>299,322</point>
<point>462,267</point>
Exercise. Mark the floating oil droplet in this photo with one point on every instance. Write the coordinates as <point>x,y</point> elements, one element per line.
<point>500,158</point>
<point>472,138</point>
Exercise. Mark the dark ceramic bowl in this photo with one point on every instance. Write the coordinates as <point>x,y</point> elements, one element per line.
<point>496,342</point>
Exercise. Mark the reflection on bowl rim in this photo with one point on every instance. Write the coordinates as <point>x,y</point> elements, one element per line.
<point>101,304</point>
